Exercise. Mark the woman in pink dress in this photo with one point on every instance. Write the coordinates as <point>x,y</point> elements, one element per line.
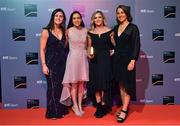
<point>77,69</point>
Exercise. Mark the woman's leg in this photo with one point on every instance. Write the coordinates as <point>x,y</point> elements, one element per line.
<point>74,99</point>
<point>105,103</point>
<point>125,97</point>
<point>98,104</point>
<point>101,105</point>
<point>125,103</point>
<point>126,100</point>
<point>121,92</point>
<point>80,95</point>
<point>98,97</point>
<point>102,97</point>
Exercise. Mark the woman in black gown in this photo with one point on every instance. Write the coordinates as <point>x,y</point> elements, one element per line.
<point>52,43</point>
<point>127,48</point>
<point>100,72</point>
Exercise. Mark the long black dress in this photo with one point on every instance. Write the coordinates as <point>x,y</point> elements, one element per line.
<point>100,67</point>
<point>56,61</point>
<point>127,49</point>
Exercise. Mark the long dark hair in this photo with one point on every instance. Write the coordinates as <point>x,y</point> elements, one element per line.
<point>51,22</point>
<point>70,24</point>
<point>126,10</point>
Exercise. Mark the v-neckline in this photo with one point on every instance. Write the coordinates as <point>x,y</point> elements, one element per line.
<point>122,31</point>
<point>56,36</point>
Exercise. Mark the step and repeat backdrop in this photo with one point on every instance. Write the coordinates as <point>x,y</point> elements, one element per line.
<point>21,21</point>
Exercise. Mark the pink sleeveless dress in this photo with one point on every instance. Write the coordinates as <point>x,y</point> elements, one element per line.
<point>77,66</point>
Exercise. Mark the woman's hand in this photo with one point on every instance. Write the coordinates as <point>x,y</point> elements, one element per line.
<point>131,65</point>
<point>112,39</point>
<point>90,56</point>
<point>111,52</point>
<point>45,69</point>
<point>90,52</point>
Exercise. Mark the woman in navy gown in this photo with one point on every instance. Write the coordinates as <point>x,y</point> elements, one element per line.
<point>53,60</point>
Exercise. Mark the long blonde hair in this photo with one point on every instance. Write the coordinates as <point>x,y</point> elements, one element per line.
<point>92,24</point>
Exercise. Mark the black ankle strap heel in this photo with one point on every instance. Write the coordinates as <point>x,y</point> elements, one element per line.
<point>120,119</point>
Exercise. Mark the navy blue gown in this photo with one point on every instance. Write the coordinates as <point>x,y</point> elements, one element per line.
<point>55,61</point>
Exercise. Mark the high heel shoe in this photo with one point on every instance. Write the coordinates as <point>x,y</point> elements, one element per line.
<point>120,119</point>
<point>118,113</point>
<point>82,112</point>
<point>77,112</point>
<point>98,109</point>
<point>102,111</point>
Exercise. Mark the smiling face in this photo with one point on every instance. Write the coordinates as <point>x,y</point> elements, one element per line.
<point>98,19</point>
<point>76,20</point>
<point>121,15</point>
<point>58,18</point>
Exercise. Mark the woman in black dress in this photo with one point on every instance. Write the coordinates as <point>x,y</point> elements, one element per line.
<point>100,72</point>
<point>127,48</point>
<point>52,43</point>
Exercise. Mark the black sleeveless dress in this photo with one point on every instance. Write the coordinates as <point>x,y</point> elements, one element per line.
<point>100,67</point>
<point>55,61</point>
<point>127,48</point>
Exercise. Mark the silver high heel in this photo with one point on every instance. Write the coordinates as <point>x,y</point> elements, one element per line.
<point>78,113</point>
<point>82,112</point>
